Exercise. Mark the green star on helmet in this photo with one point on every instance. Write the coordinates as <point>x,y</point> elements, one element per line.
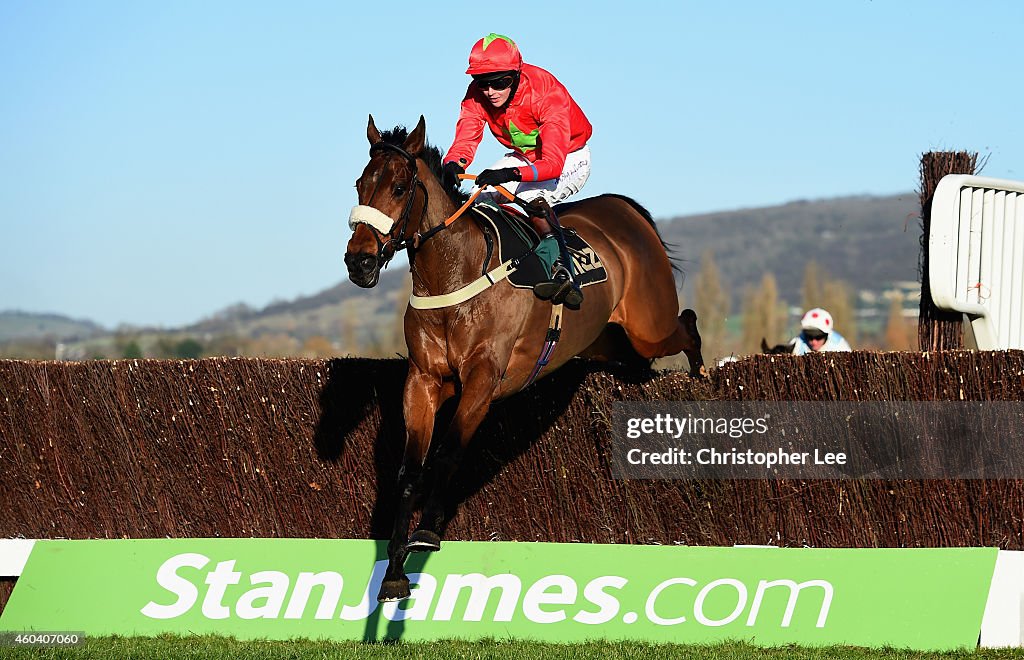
<point>492,36</point>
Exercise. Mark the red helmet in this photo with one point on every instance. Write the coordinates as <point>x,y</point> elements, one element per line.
<point>493,53</point>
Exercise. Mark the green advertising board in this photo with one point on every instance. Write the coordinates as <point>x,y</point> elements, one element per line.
<point>285,588</point>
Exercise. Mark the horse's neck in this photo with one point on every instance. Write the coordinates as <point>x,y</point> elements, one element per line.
<point>450,259</point>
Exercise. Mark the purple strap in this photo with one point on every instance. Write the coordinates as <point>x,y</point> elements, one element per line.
<point>551,340</point>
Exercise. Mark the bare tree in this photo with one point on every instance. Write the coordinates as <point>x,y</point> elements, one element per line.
<point>897,330</point>
<point>839,303</point>
<point>711,302</point>
<point>763,318</point>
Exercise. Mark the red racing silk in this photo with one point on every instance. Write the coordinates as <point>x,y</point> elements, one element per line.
<point>542,122</point>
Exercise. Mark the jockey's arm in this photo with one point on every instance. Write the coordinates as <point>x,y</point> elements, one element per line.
<point>469,130</point>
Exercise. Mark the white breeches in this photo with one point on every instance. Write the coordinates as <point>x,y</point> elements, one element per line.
<point>575,173</point>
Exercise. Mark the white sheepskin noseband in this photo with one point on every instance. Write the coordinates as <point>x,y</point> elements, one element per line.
<point>368,215</point>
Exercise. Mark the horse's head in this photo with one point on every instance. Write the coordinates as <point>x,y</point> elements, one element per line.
<point>778,349</point>
<point>390,195</point>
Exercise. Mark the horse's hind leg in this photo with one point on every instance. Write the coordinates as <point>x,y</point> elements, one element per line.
<point>421,399</point>
<point>688,322</point>
<point>613,346</point>
<point>653,335</point>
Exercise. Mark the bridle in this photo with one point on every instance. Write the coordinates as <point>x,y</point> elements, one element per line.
<point>397,241</point>
<point>469,291</point>
<point>412,243</point>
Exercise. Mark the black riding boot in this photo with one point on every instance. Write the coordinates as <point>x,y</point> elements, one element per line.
<point>560,289</point>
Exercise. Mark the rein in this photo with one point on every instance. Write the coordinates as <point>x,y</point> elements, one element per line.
<point>416,240</point>
<point>488,279</point>
<point>419,237</point>
<point>485,281</point>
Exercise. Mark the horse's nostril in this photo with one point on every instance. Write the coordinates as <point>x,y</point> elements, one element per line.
<point>360,262</point>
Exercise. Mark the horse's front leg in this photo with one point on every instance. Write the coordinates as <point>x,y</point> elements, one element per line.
<point>478,385</point>
<point>421,400</point>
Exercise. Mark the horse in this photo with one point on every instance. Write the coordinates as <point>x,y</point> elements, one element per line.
<point>778,349</point>
<point>486,348</point>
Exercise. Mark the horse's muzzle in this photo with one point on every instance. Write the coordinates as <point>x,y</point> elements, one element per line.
<point>363,269</point>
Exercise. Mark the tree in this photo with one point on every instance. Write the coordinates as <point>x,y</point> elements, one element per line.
<point>819,290</point>
<point>227,345</point>
<point>840,306</point>
<point>762,316</point>
<point>711,302</point>
<point>273,345</point>
<point>897,334</point>
<point>131,350</point>
<point>188,349</point>
<point>317,346</point>
<point>813,286</point>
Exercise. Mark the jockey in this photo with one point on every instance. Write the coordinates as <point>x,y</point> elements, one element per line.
<point>530,112</point>
<point>818,334</point>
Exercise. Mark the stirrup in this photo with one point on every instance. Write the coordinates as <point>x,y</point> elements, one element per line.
<point>571,298</point>
<point>559,277</point>
<point>560,289</point>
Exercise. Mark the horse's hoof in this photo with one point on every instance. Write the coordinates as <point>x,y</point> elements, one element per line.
<point>423,540</point>
<point>393,590</point>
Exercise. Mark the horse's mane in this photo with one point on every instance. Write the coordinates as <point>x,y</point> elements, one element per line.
<point>431,155</point>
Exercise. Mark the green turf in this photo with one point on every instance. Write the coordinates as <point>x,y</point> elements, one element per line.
<point>223,647</point>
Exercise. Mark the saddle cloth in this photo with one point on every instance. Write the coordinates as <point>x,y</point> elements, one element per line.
<point>516,239</point>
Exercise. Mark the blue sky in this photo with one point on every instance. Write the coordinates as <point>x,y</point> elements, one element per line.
<point>160,161</point>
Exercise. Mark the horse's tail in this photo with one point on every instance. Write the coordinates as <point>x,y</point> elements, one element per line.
<point>646,215</point>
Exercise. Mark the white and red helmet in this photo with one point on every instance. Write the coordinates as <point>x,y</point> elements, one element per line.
<point>817,319</point>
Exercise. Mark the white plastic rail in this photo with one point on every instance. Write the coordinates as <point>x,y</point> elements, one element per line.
<point>976,256</point>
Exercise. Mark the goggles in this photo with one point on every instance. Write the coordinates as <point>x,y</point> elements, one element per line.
<point>498,83</point>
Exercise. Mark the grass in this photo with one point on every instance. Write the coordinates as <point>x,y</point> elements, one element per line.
<point>225,647</point>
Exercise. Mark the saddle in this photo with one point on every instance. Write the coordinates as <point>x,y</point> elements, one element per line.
<point>516,240</point>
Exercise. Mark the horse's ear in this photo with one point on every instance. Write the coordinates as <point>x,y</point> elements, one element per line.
<point>372,134</point>
<point>418,138</point>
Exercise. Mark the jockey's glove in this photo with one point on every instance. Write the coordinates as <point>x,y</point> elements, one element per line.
<point>496,177</point>
<point>450,174</point>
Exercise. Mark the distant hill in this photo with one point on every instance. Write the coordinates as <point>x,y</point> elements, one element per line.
<point>15,325</point>
<point>869,242</point>
<point>333,312</point>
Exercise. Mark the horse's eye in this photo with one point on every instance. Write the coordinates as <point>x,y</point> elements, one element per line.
<point>399,191</point>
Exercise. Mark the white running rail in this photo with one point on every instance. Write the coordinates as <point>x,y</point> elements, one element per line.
<point>976,256</point>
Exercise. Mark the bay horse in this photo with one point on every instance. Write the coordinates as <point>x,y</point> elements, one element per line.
<point>778,349</point>
<point>486,348</point>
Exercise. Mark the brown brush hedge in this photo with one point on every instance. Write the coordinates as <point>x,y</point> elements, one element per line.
<point>310,448</point>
